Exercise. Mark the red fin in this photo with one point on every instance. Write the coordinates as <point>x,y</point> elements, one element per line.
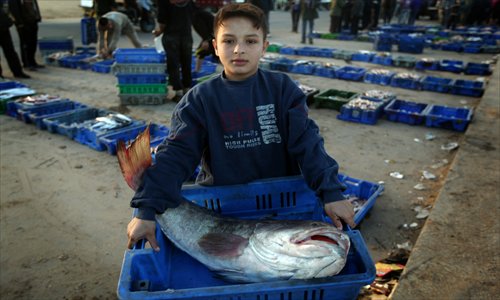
<point>135,158</point>
<point>223,245</point>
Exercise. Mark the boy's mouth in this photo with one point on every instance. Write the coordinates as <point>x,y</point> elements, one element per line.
<point>239,61</point>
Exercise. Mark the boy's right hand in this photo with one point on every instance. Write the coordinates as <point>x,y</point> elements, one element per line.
<point>139,229</point>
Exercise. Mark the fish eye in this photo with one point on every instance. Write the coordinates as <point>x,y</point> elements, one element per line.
<point>316,224</point>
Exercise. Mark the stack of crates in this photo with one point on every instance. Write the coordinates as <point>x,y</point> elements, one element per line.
<point>141,75</point>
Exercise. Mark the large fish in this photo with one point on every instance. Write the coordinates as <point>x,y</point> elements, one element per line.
<point>243,250</point>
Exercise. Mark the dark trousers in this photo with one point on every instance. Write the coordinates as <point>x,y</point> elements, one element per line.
<point>335,24</point>
<point>9,52</point>
<point>28,38</point>
<point>354,25</point>
<point>178,50</point>
<point>295,20</point>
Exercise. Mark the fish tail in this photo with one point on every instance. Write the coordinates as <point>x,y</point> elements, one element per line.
<point>135,158</point>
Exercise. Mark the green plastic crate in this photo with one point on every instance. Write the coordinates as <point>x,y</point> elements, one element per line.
<point>333,99</point>
<point>273,48</point>
<point>142,88</point>
<point>404,61</point>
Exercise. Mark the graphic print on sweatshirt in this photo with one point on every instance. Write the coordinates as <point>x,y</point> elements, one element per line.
<point>239,131</point>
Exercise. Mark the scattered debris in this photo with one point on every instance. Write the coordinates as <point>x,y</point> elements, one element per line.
<point>429,136</point>
<point>397,175</point>
<point>428,175</point>
<point>420,187</point>
<point>449,146</point>
<point>440,164</point>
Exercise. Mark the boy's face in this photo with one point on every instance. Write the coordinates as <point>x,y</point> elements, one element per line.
<point>239,46</point>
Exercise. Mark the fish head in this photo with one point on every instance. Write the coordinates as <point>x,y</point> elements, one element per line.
<point>305,249</point>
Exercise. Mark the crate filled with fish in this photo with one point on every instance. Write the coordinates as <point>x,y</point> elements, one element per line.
<point>280,203</point>
<point>384,96</point>
<point>383,58</point>
<point>282,64</point>
<point>89,131</point>
<point>333,99</point>
<point>363,56</point>
<point>436,84</point>
<point>8,95</point>
<point>379,76</point>
<point>473,88</point>
<point>343,54</point>
<point>326,70</point>
<point>36,115</point>
<point>449,65</point>
<point>27,103</point>
<point>288,50</point>
<point>351,73</point>
<point>303,67</point>
<point>67,124</point>
<point>406,81</point>
<point>362,110</point>
<point>454,118</point>
<point>157,133</point>
<point>310,92</point>
<point>48,45</point>
<point>383,42</point>
<point>306,51</point>
<point>407,112</point>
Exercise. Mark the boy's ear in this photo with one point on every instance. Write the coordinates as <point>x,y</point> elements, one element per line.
<point>265,45</point>
<point>214,43</point>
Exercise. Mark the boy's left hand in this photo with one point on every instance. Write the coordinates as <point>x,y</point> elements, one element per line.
<point>341,210</point>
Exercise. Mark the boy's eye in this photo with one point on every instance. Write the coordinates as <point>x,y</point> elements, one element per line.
<point>227,41</point>
<point>252,41</point>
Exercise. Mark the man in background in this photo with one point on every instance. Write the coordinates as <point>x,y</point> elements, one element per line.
<point>110,27</point>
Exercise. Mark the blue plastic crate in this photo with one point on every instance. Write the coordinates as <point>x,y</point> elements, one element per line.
<point>37,113</point>
<point>468,88</point>
<point>102,66</point>
<point>406,81</point>
<point>88,30</point>
<point>454,118</point>
<point>306,51</point>
<point>472,48</point>
<point>74,61</point>
<point>13,107</point>
<point>455,66</point>
<point>384,59</point>
<point>141,78</point>
<point>138,55</point>
<point>405,112</point>
<point>453,46</point>
<point>207,68</point>
<point>173,274</point>
<point>7,85</point>
<point>357,111</point>
<point>288,50</point>
<point>303,67</point>
<point>326,70</point>
<point>56,43</point>
<point>411,44</point>
<point>282,64</point>
<point>437,84</point>
<point>477,69</point>
<point>427,64</point>
<point>383,42</point>
<point>351,73</point>
<point>157,134</point>
<point>363,55</point>
<point>67,123</point>
<point>324,52</point>
<point>86,134</point>
<point>382,77</point>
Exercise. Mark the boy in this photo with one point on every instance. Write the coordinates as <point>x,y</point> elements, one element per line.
<point>244,124</point>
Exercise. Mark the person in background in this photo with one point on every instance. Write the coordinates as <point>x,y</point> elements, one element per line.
<point>245,124</point>
<point>110,27</point>
<point>174,21</point>
<point>388,7</point>
<point>295,11</point>
<point>404,11</point>
<point>447,7</point>
<point>346,15</point>
<point>26,14</point>
<point>356,15</point>
<point>308,12</point>
<point>335,15</point>
<point>203,24</point>
<point>6,43</point>
<point>414,11</point>
<point>266,6</point>
<point>101,7</point>
<point>495,12</point>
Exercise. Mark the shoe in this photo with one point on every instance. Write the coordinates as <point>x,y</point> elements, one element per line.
<point>31,68</point>
<point>22,75</point>
<point>311,42</point>
<point>39,66</point>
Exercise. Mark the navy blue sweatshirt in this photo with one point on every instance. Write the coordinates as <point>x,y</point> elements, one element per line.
<point>242,131</point>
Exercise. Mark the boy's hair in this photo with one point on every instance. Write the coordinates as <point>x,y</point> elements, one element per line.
<point>245,10</point>
<point>103,22</point>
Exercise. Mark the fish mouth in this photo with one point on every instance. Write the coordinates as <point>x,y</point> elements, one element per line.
<point>321,237</point>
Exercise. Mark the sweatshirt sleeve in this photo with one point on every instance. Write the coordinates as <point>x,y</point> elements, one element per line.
<point>175,161</point>
<point>319,169</point>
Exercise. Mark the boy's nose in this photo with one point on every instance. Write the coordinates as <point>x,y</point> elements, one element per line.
<point>239,48</point>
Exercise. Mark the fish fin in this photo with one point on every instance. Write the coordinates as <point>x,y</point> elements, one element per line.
<point>135,158</point>
<point>224,245</point>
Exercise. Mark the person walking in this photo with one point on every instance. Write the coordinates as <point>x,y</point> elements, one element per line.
<point>174,21</point>
<point>110,28</point>
<point>309,12</point>
<point>295,12</point>
<point>356,15</point>
<point>388,7</point>
<point>414,11</point>
<point>335,15</point>
<point>6,43</point>
<point>27,15</point>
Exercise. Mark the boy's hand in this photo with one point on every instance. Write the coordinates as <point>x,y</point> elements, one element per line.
<point>139,229</point>
<point>341,210</point>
